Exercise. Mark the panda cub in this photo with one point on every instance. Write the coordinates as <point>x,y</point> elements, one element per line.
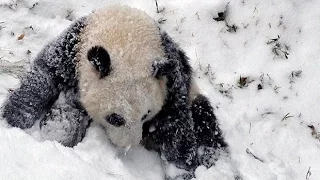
<point>118,68</point>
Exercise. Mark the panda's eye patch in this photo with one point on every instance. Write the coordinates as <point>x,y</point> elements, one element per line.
<point>145,116</point>
<point>100,60</point>
<point>115,120</point>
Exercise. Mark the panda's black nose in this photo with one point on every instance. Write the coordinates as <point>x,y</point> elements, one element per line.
<point>115,119</point>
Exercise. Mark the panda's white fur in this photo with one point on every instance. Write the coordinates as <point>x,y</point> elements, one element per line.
<point>133,42</point>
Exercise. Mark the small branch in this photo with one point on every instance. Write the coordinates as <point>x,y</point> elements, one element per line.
<point>34,5</point>
<point>157,6</point>
<point>256,8</point>
<point>276,88</point>
<point>286,117</point>
<point>254,156</point>
<point>308,173</point>
<point>197,14</point>
<point>69,14</point>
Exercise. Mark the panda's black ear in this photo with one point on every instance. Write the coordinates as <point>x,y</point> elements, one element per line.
<point>163,67</point>
<point>100,59</point>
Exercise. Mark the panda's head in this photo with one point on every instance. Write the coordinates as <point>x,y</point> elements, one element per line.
<point>118,85</point>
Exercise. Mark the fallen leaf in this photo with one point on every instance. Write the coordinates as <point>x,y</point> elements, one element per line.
<point>21,37</point>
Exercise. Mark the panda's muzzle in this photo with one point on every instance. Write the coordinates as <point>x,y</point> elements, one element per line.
<point>115,120</point>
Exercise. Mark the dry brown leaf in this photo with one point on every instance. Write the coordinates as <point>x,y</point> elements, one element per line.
<point>21,37</point>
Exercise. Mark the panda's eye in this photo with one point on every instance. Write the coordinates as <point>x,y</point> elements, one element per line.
<point>115,120</point>
<point>100,60</point>
<point>145,116</point>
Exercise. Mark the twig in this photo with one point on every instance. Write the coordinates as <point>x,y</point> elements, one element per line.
<point>255,8</point>
<point>273,40</point>
<point>197,14</point>
<point>308,173</point>
<point>34,5</point>
<point>267,113</point>
<point>157,6</point>
<point>69,14</point>
<point>286,117</point>
<point>254,156</point>
<point>162,20</point>
<point>294,74</point>
<point>270,79</point>
<point>276,88</point>
<point>279,49</point>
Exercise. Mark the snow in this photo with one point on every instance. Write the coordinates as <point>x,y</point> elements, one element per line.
<point>263,143</point>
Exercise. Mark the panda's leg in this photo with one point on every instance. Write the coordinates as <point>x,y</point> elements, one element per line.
<point>66,122</point>
<point>36,94</point>
<point>172,131</point>
<point>171,134</point>
<point>208,133</point>
<point>52,71</point>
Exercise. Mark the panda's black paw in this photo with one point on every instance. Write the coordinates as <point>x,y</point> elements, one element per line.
<point>163,67</point>
<point>207,128</point>
<point>211,144</point>
<point>17,118</point>
<point>64,124</point>
<point>208,156</point>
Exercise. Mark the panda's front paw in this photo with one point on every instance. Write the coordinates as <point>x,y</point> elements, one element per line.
<point>64,124</point>
<point>16,118</point>
<point>163,67</point>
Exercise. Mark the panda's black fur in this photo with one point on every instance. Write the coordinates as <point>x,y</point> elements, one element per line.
<point>174,125</point>
<point>182,128</point>
<point>53,71</point>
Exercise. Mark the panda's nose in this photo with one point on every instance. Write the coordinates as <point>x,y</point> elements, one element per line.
<point>115,120</point>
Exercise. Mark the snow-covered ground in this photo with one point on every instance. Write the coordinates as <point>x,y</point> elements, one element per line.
<point>258,62</point>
